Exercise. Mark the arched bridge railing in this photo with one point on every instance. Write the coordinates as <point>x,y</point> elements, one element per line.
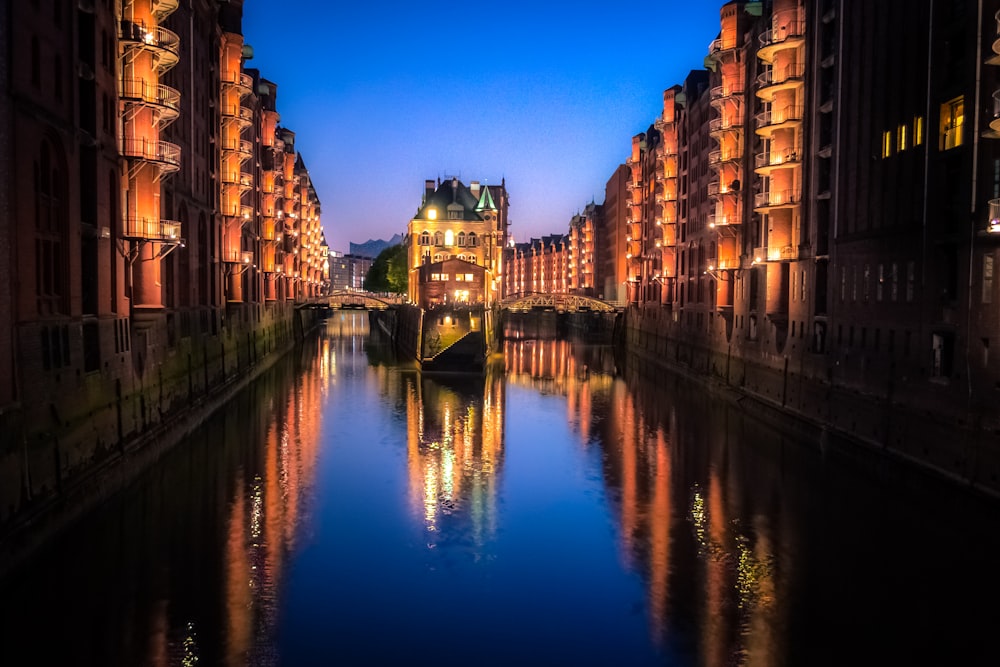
<point>566,303</point>
<point>365,300</point>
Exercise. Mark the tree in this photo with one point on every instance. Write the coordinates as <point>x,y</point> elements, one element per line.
<point>389,272</point>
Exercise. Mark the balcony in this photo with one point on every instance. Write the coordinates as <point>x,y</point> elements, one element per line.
<point>722,46</point>
<point>995,60</point>
<point>237,257</point>
<point>164,8</point>
<point>664,126</point>
<point>787,36</point>
<point>776,199</point>
<point>162,43</point>
<point>152,229</point>
<point>721,219</point>
<point>242,82</point>
<point>717,126</point>
<point>718,157</point>
<point>769,161</point>
<point>772,81</point>
<point>993,224</point>
<point>240,114</point>
<point>720,94</point>
<point>163,154</point>
<point>778,119</point>
<point>775,254</point>
<point>164,99</point>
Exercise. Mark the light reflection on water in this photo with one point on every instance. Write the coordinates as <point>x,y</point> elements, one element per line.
<point>566,508</point>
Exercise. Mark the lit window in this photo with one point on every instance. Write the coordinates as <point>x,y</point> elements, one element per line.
<point>918,130</point>
<point>902,140</point>
<point>952,119</point>
<point>887,143</point>
<point>449,237</point>
<point>432,214</point>
<point>469,277</point>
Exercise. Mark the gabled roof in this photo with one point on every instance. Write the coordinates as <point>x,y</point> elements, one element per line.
<point>486,200</point>
<point>450,195</point>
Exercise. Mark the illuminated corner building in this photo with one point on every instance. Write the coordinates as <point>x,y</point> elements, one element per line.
<point>465,226</point>
<point>540,266</point>
<point>582,240</point>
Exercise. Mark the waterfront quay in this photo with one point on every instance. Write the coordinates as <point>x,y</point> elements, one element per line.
<point>573,504</point>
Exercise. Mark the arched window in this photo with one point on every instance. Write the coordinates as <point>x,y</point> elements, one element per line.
<point>472,240</point>
<point>461,239</point>
<point>449,237</point>
<point>438,238</point>
<point>425,238</point>
<point>438,257</point>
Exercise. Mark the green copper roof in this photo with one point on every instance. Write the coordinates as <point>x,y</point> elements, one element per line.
<point>486,200</point>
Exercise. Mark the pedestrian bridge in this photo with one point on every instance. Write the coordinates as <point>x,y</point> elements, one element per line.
<point>561,303</point>
<point>357,300</point>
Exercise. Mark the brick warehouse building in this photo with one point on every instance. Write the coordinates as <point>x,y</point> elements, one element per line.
<point>849,159</point>
<point>156,226</point>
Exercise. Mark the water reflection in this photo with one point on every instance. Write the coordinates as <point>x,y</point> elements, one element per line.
<point>567,508</point>
<point>454,453</point>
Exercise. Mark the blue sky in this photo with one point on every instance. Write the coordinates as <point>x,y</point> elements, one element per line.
<point>382,96</point>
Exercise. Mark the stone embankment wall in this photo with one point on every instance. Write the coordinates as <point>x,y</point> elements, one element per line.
<point>80,436</point>
<point>789,390</point>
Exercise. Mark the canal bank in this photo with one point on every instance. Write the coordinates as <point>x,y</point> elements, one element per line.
<point>64,455</point>
<point>803,392</point>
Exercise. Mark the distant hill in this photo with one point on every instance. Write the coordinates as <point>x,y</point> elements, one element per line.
<point>371,248</point>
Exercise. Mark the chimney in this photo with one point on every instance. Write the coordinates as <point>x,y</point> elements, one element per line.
<point>474,187</point>
<point>428,189</point>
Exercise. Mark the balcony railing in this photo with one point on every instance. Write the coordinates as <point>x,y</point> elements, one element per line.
<point>777,198</point>
<point>243,82</point>
<point>721,45</point>
<point>776,158</point>
<point>237,257</point>
<point>718,156</point>
<point>724,92</point>
<point>779,34</point>
<point>152,229</point>
<point>778,76</point>
<point>722,219</point>
<point>164,153</point>
<point>778,116</point>
<point>157,95</point>
<point>165,42</point>
<point>993,225</point>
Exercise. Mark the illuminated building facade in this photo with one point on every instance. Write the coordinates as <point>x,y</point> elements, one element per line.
<point>539,266</point>
<point>148,254</point>
<point>467,223</point>
<point>582,240</point>
<point>846,226</point>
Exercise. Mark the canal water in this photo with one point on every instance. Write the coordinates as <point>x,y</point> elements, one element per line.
<point>570,508</point>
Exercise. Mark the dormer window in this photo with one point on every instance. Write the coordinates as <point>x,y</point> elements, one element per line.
<point>454,215</point>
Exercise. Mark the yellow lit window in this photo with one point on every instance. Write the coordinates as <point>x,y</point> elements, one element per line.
<point>918,130</point>
<point>902,140</point>
<point>887,143</point>
<point>952,119</point>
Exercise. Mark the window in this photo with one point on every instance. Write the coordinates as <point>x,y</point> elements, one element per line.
<point>454,215</point>
<point>438,239</point>
<point>894,293</point>
<point>50,287</point>
<point>902,142</point>
<point>843,283</point>
<point>449,237</point>
<point>438,257</point>
<point>887,143</point>
<point>425,238</point>
<point>911,271</point>
<point>880,283</point>
<point>469,277</point>
<point>952,119</point>
<point>987,278</point>
<point>472,241</point>
<point>867,285</point>
<point>461,239</point>
<point>918,130</point>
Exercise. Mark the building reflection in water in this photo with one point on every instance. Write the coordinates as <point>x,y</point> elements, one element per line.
<point>454,453</point>
<point>687,525</point>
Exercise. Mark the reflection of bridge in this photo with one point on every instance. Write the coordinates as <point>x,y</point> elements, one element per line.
<point>562,303</point>
<point>358,300</point>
